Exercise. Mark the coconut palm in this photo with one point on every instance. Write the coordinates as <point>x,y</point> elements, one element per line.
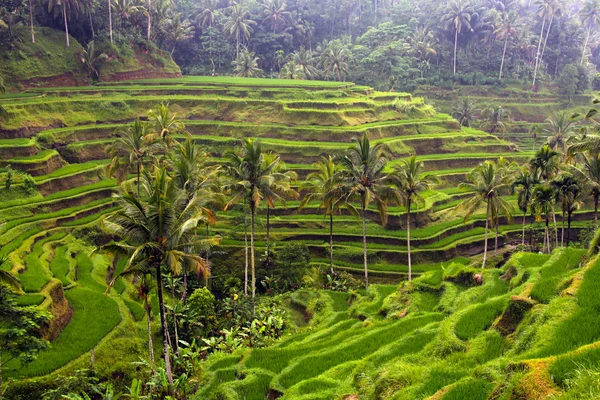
<point>291,70</point>
<point>238,25</point>
<point>91,59</point>
<point>252,179</point>
<point>543,206</point>
<point>207,16</point>
<point>487,182</point>
<point>547,9</point>
<point>335,59</point>
<point>559,126</point>
<point>495,119</point>
<point>246,65</point>
<point>325,187</point>
<point>465,111</point>
<point>410,182</point>
<point>177,30</point>
<point>276,14</point>
<point>421,44</point>
<point>524,185</point>
<point>144,290</point>
<point>305,60</point>
<point>567,190</point>
<point>68,9</point>
<point>545,163</point>
<point>589,174</point>
<point>457,17</point>
<point>506,27</point>
<point>163,124</point>
<point>590,17</point>
<point>363,179</point>
<point>574,201</point>
<point>156,231</point>
<point>125,9</point>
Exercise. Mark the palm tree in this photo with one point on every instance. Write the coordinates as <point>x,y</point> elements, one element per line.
<point>547,9</point>
<point>163,124</point>
<point>67,8</point>
<point>110,29</point>
<point>91,59</point>
<point>246,65</point>
<point>543,205</point>
<point>31,21</point>
<point>325,187</point>
<point>589,174</point>
<point>507,27</point>
<point>410,183</point>
<point>156,231</point>
<point>207,16</point>
<point>335,59</point>
<point>130,150</point>
<point>559,126</point>
<point>457,17</point>
<point>465,111</point>
<point>363,178</point>
<point>305,60</point>
<point>574,202</point>
<point>252,179</point>
<point>177,30</point>
<point>238,25</point>
<point>495,119</point>
<point>545,163</point>
<point>590,16</point>
<point>524,184</point>
<point>275,13</point>
<point>144,290</point>
<point>567,189</point>
<point>421,44</point>
<point>486,182</point>
<point>125,9</point>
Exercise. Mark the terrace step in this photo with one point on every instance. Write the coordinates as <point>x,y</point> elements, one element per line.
<point>38,164</point>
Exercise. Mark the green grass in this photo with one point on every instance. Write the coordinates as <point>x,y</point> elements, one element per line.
<point>471,388</point>
<point>36,274</point>
<point>547,286</point>
<point>61,264</point>
<point>479,318</point>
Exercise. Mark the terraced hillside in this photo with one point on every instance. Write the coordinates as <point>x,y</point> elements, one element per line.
<point>527,331</point>
<point>57,137</point>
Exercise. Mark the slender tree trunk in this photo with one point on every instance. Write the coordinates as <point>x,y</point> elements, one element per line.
<point>331,241</point>
<point>31,22</point>
<point>455,48</point>
<point>252,215</point>
<point>546,38</point>
<point>149,21</point>
<point>496,240</point>
<point>568,228</point>
<point>91,24</point>
<point>163,322</point>
<point>267,261</point>
<point>364,232</point>
<point>537,56</point>
<point>409,200</point>
<point>523,235</point>
<point>110,30</point>
<point>503,55</point>
<point>184,291</point>
<point>548,233</point>
<point>150,345</point>
<point>555,228</point>
<point>562,234</point>
<point>138,179</point>
<point>176,344</point>
<point>596,198</point>
<point>485,243</point>
<point>587,38</point>
<point>66,24</point>
<point>245,252</point>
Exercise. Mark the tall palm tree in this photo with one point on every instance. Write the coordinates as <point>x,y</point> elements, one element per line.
<point>567,189</point>
<point>68,9</point>
<point>335,59</point>
<point>246,65</point>
<point>590,16</point>
<point>305,59</point>
<point>30,3</point>
<point>487,182</point>
<point>131,149</point>
<point>275,13</point>
<point>163,124</point>
<point>421,44</point>
<point>177,30</point>
<point>410,182</point>
<point>495,119</point>
<point>207,16</point>
<point>547,9</point>
<point>363,177</point>
<point>465,111</point>
<point>543,206</point>
<point>238,25</point>
<point>144,290</point>
<point>545,163</point>
<point>559,126</point>
<point>574,202</point>
<point>507,26</point>
<point>325,187</point>
<point>252,179</point>
<point>589,174</point>
<point>524,185</point>
<point>457,17</point>
<point>156,231</point>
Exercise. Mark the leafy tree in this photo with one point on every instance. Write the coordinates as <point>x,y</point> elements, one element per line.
<point>293,259</point>
<point>506,27</point>
<point>465,111</point>
<point>568,190</point>
<point>590,16</point>
<point>495,119</point>
<point>246,65</point>
<point>335,59</point>
<point>363,179</point>
<point>19,330</point>
<point>91,59</point>
<point>163,124</point>
<point>457,17</point>
<point>545,163</point>
<point>68,9</point>
<point>543,206</point>
<point>305,60</point>
<point>559,126</point>
<point>411,182</point>
<point>177,30</point>
<point>568,81</point>
<point>276,14</point>
<point>524,185</point>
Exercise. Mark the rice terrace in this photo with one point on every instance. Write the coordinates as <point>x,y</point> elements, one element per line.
<point>299,199</point>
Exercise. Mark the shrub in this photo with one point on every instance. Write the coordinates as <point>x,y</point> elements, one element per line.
<point>201,303</point>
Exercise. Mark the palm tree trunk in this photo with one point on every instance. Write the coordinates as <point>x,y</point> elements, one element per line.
<point>485,243</point>
<point>66,23</point>
<point>331,241</point>
<point>455,48</point>
<point>245,252</point>
<point>149,21</point>
<point>596,197</point>
<point>562,234</point>
<point>496,239</point>
<point>503,55</point>
<point>176,345</point>
<point>537,56</point>
<point>163,322</point>
<point>150,345</point>
<point>568,228</point>
<point>546,38</point>
<point>548,233</point>
<point>252,212</point>
<point>587,38</point>
<point>138,179</point>
<point>523,235</point>
<point>268,233</point>
<point>555,228</point>
<point>110,30</point>
<point>408,237</point>
<point>364,232</point>
<point>91,24</point>
<point>31,22</point>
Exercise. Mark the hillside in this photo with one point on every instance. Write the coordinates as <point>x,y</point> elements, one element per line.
<point>49,63</point>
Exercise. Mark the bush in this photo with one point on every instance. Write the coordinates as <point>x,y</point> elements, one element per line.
<point>201,303</point>
<point>293,259</point>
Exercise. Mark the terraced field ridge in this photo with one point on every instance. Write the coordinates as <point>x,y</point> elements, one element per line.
<point>57,138</point>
